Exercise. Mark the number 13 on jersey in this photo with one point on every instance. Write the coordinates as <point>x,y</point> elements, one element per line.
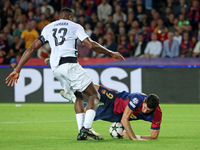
<point>63,31</point>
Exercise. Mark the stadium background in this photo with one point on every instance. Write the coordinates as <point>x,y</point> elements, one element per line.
<point>174,79</point>
<point>39,126</point>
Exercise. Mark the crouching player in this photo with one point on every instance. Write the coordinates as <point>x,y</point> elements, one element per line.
<point>124,107</point>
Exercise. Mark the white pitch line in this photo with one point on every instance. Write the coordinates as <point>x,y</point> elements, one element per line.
<point>36,121</point>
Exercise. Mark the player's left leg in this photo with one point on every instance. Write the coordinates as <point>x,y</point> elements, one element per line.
<point>69,96</point>
<point>47,61</point>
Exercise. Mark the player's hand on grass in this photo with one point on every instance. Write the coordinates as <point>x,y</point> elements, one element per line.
<point>138,138</point>
<point>117,55</point>
<point>12,78</point>
<point>125,134</point>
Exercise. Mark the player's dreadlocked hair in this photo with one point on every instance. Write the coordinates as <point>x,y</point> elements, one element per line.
<point>66,12</point>
<point>152,101</point>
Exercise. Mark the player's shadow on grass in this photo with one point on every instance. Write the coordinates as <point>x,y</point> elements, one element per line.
<point>120,141</point>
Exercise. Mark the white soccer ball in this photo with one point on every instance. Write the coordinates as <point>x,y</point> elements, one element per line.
<point>116,129</point>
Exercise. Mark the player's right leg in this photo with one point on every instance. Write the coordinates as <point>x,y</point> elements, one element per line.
<point>80,115</point>
<point>93,100</point>
<point>82,82</point>
<point>60,73</point>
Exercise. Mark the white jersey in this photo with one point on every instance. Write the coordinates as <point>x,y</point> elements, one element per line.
<point>62,36</point>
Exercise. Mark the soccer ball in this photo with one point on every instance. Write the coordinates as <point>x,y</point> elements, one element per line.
<point>115,129</point>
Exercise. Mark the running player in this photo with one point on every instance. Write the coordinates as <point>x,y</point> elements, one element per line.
<point>62,36</point>
<point>124,107</point>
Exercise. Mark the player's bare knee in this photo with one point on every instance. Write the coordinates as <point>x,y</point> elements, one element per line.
<point>94,99</point>
<point>97,97</point>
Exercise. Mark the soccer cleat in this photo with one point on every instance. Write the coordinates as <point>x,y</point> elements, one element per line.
<point>47,61</point>
<point>101,137</point>
<point>71,98</point>
<point>91,133</point>
<point>79,137</point>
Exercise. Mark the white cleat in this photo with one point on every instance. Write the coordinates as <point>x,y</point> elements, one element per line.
<point>101,137</point>
<point>67,96</point>
<point>47,61</point>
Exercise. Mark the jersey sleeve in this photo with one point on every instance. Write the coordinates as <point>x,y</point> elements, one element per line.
<point>43,36</point>
<point>80,33</point>
<point>157,119</point>
<point>134,102</point>
<point>44,33</point>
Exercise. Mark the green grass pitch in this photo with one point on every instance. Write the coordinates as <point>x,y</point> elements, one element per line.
<point>53,127</point>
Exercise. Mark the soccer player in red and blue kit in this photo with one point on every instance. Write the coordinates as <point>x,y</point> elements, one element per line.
<point>124,107</point>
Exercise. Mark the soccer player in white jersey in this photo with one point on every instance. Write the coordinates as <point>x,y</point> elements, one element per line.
<point>62,35</point>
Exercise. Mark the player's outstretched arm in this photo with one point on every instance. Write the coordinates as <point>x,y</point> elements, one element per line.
<point>100,49</point>
<point>13,77</point>
<point>126,124</point>
<point>154,134</point>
